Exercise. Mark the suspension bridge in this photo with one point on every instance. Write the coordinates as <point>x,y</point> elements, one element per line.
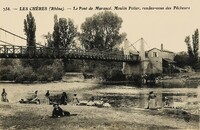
<point>11,50</point>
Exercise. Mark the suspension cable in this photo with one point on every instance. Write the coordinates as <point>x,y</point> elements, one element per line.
<point>6,31</point>
<point>6,43</point>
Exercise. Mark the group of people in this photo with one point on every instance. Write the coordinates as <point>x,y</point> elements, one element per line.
<point>152,101</point>
<point>58,112</point>
<point>63,99</point>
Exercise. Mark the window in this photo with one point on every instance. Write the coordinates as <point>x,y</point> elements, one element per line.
<point>146,55</point>
<point>155,54</point>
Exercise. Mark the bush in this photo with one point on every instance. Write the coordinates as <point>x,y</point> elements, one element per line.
<point>136,78</point>
<point>15,71</point>
<point>196,67</point>
<point>58,70</point>
<point>117,75</point>
<point>182,60</point>
<point>51,72</point>
<point>26,74</point>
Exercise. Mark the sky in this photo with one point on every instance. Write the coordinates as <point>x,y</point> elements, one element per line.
<point>169,27</point>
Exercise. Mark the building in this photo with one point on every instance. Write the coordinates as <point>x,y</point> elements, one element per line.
<point>159,60</point>
<point>152,61</point>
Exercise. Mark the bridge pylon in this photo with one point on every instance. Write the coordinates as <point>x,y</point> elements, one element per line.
<point>138,67</point>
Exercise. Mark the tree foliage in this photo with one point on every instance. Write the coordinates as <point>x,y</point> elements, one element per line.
<point>194,48</point>
<point>14,70</point>
<point>101,31</point>
<point>29,29</point>
<point>64,32</point>
<point>195,42</point>
<point>182,60</point>
<point>49,41</point>
<point>56,33</point>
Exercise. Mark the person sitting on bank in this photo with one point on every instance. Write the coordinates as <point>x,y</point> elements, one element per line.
<point>35,98</point>
<point>75,100</point>
<point>91,101</point>
<point>166,103</point>
<point>58,112</point>
<point>63,99</point>
<point>4,96</point>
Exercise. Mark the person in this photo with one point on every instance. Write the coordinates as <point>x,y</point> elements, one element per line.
<point>58,112</point>
<point>166,103</point>
<point>47,95</point>
<point>35,98</point>
<point>75,100</point>
<point>63,99</point>
<point>91,99</point>
<point>151,100</point>
<point>4,96</point>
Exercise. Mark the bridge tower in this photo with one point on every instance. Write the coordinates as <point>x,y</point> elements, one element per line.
<point>134,68</point>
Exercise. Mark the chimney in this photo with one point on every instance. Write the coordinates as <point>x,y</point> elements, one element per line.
<point>161,47</point>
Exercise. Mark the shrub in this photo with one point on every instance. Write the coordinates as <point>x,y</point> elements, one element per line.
<point>15,71</point>
<point>136,78</point>
<point>6,73</point>
<point>197,67</point>
<point>116,75</point>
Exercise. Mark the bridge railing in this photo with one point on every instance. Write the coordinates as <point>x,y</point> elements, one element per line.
<point>46,52</point>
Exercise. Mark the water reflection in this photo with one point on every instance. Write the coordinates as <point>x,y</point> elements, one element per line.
<point>140,100</point>
<point>178,84</point>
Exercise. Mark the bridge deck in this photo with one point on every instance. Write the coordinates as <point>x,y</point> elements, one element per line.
<point>9,51</point>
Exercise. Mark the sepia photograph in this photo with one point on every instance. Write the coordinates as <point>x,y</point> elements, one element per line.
<point>99,65</point>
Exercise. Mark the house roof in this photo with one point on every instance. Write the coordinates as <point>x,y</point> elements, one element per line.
<point>160,50</point>
<point>167,51</point>
<point>169,60</point>
<point>153,49</point>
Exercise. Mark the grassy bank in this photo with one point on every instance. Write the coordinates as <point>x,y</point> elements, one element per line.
<point>18,116</point>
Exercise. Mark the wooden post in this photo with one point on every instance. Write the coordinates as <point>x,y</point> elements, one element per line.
<point>13,47</point>
<point>5,49</point>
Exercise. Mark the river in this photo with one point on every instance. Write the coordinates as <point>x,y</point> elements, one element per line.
<point>116,95</point>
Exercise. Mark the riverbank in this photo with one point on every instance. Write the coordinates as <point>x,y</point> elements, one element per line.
<point>126,113</point>
<point>18,116</point>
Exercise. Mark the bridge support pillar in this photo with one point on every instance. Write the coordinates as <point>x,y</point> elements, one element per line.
<point>135,68</point>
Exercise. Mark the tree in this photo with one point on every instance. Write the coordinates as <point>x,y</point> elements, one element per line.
<point>195,41</point>
<point>182,60</point>
<point>56,33</point>
<point>101,31</point>
<point>68,32</point>
<point>29,29</point>
<point>194,48</point>
<point>64,32</point>
<point>48,37</point>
